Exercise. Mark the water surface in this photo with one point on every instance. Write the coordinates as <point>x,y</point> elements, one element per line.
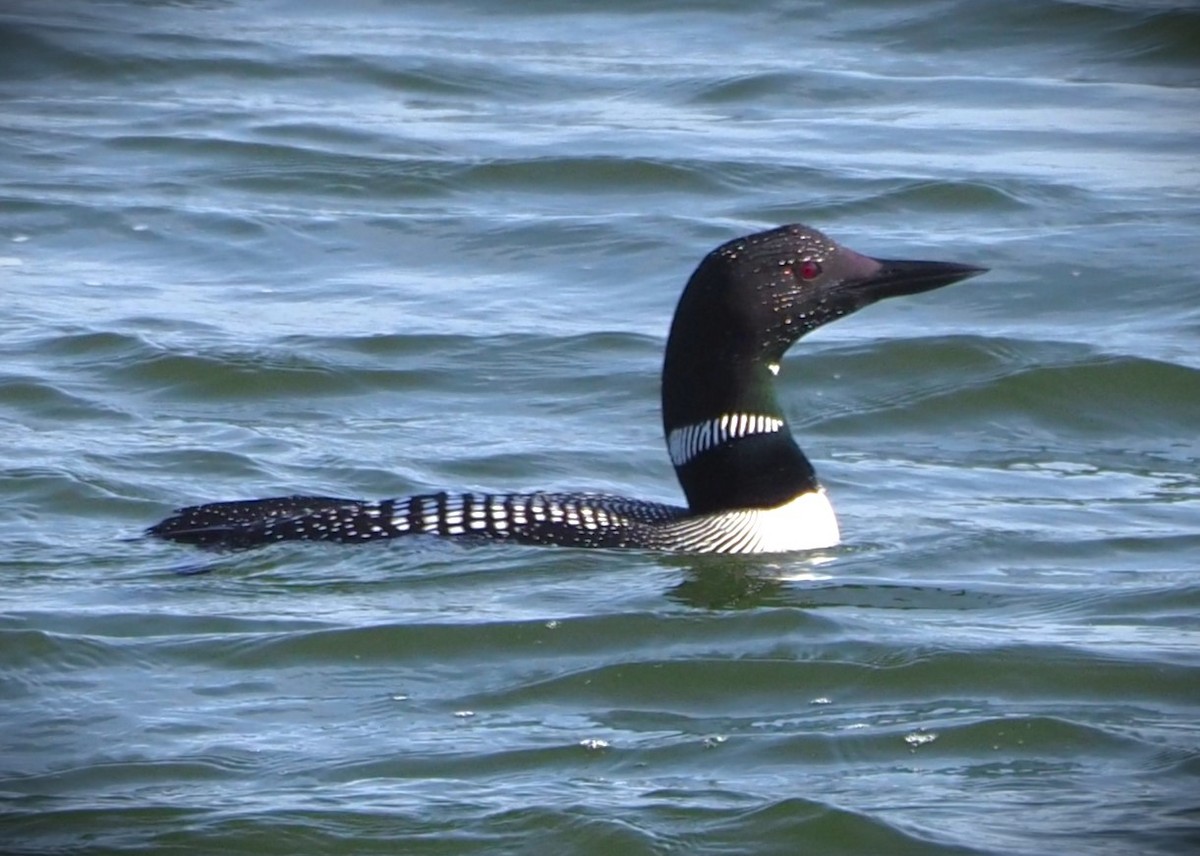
<point>258,248</point>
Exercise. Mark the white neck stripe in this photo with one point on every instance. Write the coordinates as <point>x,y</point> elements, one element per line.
<point>684,444</point>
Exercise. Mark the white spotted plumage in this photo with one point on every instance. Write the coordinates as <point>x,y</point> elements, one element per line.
<point>582,520</point>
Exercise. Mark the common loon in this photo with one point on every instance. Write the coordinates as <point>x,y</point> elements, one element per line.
<point>749,488</point>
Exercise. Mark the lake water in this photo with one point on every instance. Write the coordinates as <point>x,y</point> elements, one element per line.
<point>253,248</point>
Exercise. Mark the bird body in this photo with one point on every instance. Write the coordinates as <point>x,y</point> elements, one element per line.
<point>749,487</point>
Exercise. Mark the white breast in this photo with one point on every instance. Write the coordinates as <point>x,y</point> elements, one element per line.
<point>804,523</point>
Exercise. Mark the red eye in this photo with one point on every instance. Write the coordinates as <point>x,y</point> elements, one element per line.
<point>810,269</point>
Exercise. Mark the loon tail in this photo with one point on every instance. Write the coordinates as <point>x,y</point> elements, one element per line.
<point>254,522</point>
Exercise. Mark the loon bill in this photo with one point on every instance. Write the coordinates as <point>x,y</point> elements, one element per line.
<point>749,488</point>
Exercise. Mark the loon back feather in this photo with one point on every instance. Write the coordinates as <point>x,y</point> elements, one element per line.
<point>749,488</point>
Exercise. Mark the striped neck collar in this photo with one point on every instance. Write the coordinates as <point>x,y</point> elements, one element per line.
<point>688,441</point>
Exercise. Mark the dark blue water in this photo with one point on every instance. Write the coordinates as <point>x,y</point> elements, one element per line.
<point>373,249</point>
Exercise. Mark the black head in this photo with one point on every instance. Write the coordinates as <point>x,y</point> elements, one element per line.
<point>769,289</point>
<point>752,298</point>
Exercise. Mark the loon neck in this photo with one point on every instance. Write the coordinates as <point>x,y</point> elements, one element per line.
<point>727,435</point>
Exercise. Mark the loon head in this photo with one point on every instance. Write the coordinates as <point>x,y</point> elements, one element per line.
<point>752,298</point>
<point>748,302</point>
